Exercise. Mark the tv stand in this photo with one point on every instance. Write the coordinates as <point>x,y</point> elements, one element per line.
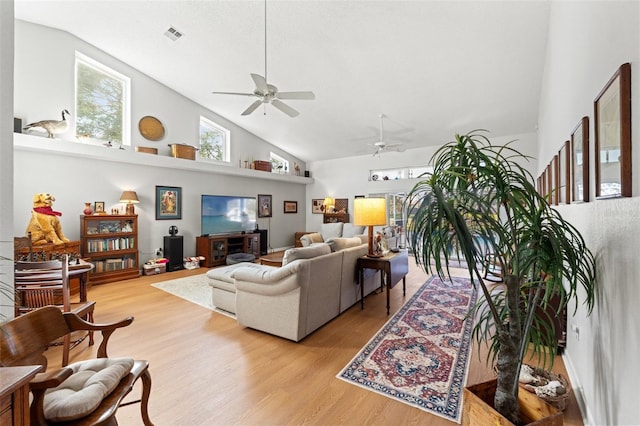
<point>216,248</point>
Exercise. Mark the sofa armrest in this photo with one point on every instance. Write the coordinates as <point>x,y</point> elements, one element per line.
<point>313,237</point>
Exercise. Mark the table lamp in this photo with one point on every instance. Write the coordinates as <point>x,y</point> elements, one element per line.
<point>370,212</point>
<point>130,198</point>
<point>329,205</point>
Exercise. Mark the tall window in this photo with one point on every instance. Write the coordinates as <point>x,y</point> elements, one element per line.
<point>278,164</point>
<point>214,141</point>
<point>102,103</point>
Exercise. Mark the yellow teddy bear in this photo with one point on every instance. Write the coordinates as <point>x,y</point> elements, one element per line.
<point>44,225</point>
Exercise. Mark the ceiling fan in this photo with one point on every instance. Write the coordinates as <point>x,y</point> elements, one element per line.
<point>268,93</point>
<point>381,145</point>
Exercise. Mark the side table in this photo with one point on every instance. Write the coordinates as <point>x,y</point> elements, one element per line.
<point>393,266</point>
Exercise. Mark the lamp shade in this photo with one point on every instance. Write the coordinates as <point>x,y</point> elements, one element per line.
<point>129,197</point>
<point>328,201</point>
<point>370,211</point>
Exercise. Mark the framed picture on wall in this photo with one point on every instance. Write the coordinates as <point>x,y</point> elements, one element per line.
<point>316,206</point>
<point>264,205</point>
<point>291,207</point>
<point>564,160</point>
<point>580,161</point>
<point>612,109</point>
<point>168,202</point>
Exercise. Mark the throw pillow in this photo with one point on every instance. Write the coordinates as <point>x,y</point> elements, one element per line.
<point>305,253</point>
<point>351,230</point>
<point>344,243</point>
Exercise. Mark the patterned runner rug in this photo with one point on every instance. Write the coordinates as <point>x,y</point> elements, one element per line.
<point>421,355</point>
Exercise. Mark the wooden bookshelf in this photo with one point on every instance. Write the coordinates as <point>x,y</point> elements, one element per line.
<point>110,243</point>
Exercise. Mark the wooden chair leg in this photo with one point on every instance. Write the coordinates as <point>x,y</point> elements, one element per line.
<point>66,344</point>
<point>144,401</point>
<point>90,319</point>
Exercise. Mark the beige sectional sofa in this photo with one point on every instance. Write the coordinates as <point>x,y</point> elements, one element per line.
<point>313,286</point>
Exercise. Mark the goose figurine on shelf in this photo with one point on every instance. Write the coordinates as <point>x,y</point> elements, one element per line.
<point>52,127</point>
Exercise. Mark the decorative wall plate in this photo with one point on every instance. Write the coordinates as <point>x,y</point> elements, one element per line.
<point>151,128</point>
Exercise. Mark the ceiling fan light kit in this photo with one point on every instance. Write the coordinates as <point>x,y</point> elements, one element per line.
<point>268,93</point>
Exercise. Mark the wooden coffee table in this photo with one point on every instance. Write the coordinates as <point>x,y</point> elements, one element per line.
<point>272,259</point>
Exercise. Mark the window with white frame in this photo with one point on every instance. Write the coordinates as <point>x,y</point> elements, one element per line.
<point>278,164</point>
<point>102,103</point>
<point>214,141</point>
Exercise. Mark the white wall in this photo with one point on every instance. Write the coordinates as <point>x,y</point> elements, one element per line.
<point>348,177</point>
<point>78,173</point>
<point>6,152</point>
<point>588,41</point>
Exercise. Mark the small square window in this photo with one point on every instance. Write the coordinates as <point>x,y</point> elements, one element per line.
<point>214,141</point>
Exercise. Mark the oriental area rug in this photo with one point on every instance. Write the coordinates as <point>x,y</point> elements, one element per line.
<point>194,288</point>
<point>421,355</point>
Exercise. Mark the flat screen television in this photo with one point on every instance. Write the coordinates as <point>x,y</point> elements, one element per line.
<point>225,214</point>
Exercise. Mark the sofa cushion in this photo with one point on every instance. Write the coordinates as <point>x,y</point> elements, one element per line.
<point>330,230</point>
<point>85,389</point>
<point>305,253</point>
<point>351,230</point>
<point>343,243</point>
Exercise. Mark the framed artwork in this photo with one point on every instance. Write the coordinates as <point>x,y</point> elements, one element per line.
<point>98,207</point>
<point>168,202</point>
<point>549,183</point>
<point>316,206</point>
<point>555,170</point>
<point>264,205</point>
<point>612,109</point>
<point>291,207</point>
<point>564,161</point>
<point>342,204</point>
<point>580,161</point>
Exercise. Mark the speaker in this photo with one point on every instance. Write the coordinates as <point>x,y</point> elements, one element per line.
<point>173,247</point>
<point>264,242</point>
<point>307,173</point>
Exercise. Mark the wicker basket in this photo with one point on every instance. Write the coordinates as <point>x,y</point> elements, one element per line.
<point>560,401</point>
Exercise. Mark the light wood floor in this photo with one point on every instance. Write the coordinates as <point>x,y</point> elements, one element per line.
<point>208,370</point>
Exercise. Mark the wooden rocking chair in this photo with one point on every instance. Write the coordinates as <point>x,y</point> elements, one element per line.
<point>40,284</point>
<point>23,341</point>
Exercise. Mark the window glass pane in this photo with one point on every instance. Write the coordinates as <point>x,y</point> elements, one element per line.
<point>101,103</point>
<point>278,164</point>
<point>214,141</point>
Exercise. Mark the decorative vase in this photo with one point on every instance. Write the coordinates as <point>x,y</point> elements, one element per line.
<point>478,408</point>
<point>87,209</point>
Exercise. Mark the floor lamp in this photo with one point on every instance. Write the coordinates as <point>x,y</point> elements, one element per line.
<point>370,212</point>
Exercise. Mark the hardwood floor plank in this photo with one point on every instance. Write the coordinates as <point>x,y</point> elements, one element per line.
<point>208,370</point>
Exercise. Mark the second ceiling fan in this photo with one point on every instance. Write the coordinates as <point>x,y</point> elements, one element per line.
<point>268,93</point>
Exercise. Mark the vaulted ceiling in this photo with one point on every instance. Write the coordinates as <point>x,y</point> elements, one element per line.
<point>433,68</point>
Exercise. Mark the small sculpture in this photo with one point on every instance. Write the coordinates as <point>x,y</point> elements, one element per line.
<point>52,127</point>
<point>296,168</point>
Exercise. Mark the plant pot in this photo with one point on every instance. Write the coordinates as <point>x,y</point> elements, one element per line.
<point>478,408</point>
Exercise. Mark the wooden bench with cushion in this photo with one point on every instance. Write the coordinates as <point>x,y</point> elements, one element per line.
<point>84,393</point>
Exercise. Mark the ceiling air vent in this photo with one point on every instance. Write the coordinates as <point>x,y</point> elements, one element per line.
<point>173,34</point>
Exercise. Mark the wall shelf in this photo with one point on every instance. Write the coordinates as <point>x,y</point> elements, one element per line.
<point>25,142</point>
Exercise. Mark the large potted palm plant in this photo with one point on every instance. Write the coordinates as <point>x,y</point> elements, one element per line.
<point>481,205</point>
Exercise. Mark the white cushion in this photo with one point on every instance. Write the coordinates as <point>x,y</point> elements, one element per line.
<point>331,230</point>
<point>351,230</point>
<point>85,389</point>
<point>343,243</point>
<point>305,253</point>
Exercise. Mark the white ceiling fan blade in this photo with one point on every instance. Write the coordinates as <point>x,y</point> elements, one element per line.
<point>296,95</point>
<point>261,83</point>
<point>252,107</point>
<point>284,108</point>
<point>234,93</point>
